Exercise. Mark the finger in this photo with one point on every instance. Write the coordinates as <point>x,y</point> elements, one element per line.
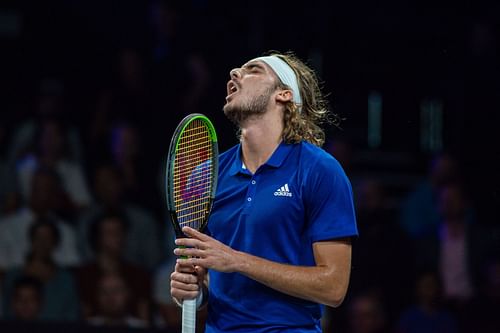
<point>184,278</point>
<point>190,242</point>
<point>193,262</point>
<point>184,267</point>
<point>182,294</point>
<point>189,252</point>
<point>184,287</point>
<point>195,234</point>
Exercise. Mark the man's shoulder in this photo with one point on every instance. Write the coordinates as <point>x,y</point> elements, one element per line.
<point>317,158</point>
<point>228,155</point>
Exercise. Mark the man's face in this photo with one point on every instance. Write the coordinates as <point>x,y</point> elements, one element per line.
<point>52,139</point>
<point>249,91</point>
<point>45,192</point>
<point>44,241</point>
<point>26,303</point>
<point>451,202</point>
<point>108,186</point>
<point>111,236</point>
<point>113,296</point>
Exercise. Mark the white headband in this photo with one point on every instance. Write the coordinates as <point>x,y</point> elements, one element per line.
<point>286,75</point>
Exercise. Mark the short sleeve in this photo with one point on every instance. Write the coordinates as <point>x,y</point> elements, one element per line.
<point>329,202</point>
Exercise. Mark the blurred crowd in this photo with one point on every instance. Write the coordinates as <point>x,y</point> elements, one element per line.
<point>423,263</point>
<point>84,237</point>
<point>84,232</point>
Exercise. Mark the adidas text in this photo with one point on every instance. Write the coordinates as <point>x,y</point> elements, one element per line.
<point>282,194</point>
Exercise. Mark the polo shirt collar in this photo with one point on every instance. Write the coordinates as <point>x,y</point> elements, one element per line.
<point>275,161</point>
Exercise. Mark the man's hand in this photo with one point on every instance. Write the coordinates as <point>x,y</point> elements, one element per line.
<point>186,281</point>
<point>206,252</point>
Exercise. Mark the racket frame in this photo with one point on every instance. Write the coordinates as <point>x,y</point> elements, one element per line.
<point>174,142</point>
<point>189,306</point>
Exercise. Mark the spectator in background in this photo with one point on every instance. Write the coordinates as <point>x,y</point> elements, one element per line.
<point>180,72</point>
<point>383,253</point>
<point>50,104</point>
<point>455,263</point>
<point>419,212</point>
<point>367,314</point>
<point>456,246</point>
<point>458,250</point>
<point>130,88</point>
<point>59,301</point>
<point>142,245</point>
<point>44,200</point>
<point>107,236</point>
<point>483,312</point>
<point>27,299</point>
<point>10,203</point>
<point>428,314</point>
<point>125,117</point>
<point>113,303</point>
<point>126,97</point>
<point>10,199</point>
<point>128,157</point>
<point>51,152</point>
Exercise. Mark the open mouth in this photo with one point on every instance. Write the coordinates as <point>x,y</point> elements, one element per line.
<point>231,88</point>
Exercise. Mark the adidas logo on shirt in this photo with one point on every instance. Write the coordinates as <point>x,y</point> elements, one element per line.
<point>283,192</point>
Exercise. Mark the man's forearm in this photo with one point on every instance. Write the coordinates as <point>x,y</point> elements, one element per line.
<point>325,283</point>
<point>322,284</point>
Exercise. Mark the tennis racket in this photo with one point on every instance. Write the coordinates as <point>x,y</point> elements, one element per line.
<point>191,181</point>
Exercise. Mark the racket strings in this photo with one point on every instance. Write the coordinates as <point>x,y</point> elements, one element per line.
<point>193,147</point>
<point>193,174</point>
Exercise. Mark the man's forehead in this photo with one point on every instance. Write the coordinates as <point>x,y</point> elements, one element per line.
<point>261,64</point>
<point>256,62</point>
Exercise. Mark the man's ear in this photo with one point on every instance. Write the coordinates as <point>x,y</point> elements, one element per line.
<point>284,96</point>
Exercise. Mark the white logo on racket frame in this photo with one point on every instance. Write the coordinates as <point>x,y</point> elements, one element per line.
<point>283,191</point>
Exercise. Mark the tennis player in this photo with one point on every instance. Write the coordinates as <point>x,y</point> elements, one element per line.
<point>279,236</point>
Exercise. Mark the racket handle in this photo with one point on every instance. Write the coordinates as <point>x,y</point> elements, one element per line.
<point>189,316</point>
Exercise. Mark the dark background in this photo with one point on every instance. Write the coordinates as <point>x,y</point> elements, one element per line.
<point>409,51</point>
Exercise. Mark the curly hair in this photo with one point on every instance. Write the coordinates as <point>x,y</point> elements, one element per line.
<point>306,124</point>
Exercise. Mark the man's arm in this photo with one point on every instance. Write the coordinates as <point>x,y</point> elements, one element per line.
<point>324,283</point>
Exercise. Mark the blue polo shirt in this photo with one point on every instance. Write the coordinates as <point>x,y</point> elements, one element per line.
<point>299,196</point>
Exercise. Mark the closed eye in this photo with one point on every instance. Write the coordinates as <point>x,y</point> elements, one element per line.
<point>253,67</point>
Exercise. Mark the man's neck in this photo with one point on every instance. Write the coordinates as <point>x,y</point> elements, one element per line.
<point>260,136</point>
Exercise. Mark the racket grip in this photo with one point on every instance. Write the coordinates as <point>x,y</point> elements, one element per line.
<point>188,311</point>
<point>189,316</point>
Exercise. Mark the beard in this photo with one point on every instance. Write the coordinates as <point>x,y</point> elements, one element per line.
<point>255,106</point>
